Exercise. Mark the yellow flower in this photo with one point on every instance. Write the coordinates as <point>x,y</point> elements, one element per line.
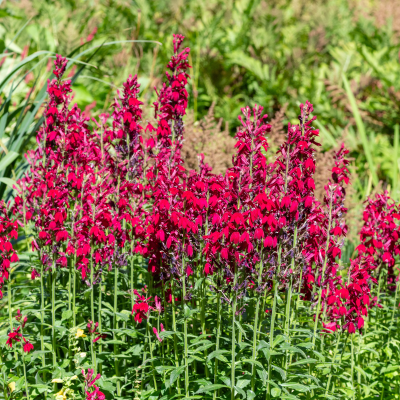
<point>74,377</point>
<point>57,380</point>
<point>79,333</point>
<point>60,395</point>
<point>11,385</point>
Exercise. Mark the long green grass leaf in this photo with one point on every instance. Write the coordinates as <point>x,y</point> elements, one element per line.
<point>361,130</point>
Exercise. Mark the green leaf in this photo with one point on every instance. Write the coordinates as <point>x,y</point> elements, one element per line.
<point>280,370</point>
<point>304,361</point>
<point>8,159</point>
<point>66,315</point>
<point>114,342</point>
<point>198,283</point>
<point>277,340</point>
<point>240,391</point>
<point>249,361</point>
<point>250,395</point>
<point>216,353</point>
<point>175,374</point>
<point>211,388</point>
<point>242,383</point>
<point>361,130</point>
<point>238,324</point>
<point>275,392</point>
<point>165,334</point>
<point>9,182</point>
<point>162,368</point>
<point>226,380</point>
<point>123,316</point>
<point>295,386</point>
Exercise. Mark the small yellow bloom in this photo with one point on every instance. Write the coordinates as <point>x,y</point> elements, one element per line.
<point>11,385</point>
<point>79,333</point>
<point>60,395</point>
<point>74,377</point>
<point>57,380</point>
<point>82,355</point>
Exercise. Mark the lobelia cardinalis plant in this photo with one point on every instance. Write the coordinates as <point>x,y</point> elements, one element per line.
<point>244,269</point>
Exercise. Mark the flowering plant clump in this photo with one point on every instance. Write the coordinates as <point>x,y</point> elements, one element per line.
<point>150,281</point>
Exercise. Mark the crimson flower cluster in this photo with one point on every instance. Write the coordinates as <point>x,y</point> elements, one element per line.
<point>380,234</point>
<point>141,308</point>
<point>92,327</point>
<point>8,232</point>
<point>91,390</point>
<point>16,335</point>
<point>169,227</point>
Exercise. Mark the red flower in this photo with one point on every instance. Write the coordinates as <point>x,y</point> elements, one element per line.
<point>14,336</point>
<point>27,346</point>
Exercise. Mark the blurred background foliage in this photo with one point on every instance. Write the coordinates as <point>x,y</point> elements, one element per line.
<point>342,55</point>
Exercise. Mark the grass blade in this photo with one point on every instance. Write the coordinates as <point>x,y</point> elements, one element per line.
<point>361,130</point>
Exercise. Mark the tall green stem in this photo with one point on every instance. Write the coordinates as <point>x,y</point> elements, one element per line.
<point>10,302</point>
<point>74,294</point>
<point>100,325</point>
<point>333,362</point>
<point>203,320</point>
<point>185,333</point>
<point>93,351</point>
<point>287,314</point>
<point>115,327</point>
<point>352,366</point>
<point>255,326</point>
<point>175,330</point>
<point>218,333</point>
<point>151,353</point>
<point>393,311</point>
<point>26,380</point>
<point>273,316</point>
<point>233,355</point>
<point>53,315</point>
<point>328,237</point>
<point>42,320</point>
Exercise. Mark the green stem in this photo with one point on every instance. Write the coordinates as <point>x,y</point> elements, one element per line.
<point>175,330</point>
<point>333,361</point>
<point>218,333</point>
<point>10,302</point>
<point>287,315</point>
<point>352,366</point>
<point>328,237</point>
<point>255,326</point>
<point>115,327</point>
<point>233,355</point>
<point>394,309</point>
<point>151,354</point>
<point>26,380</point>
<point>132,279</point>
<point>53,315</point>
<point>185,332</point>
<point>74,294</point>
<point>273,316</point>
<point>42,320</point>
<point>100,325</point>
<point>203,320</point>
<point>93,351</point>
